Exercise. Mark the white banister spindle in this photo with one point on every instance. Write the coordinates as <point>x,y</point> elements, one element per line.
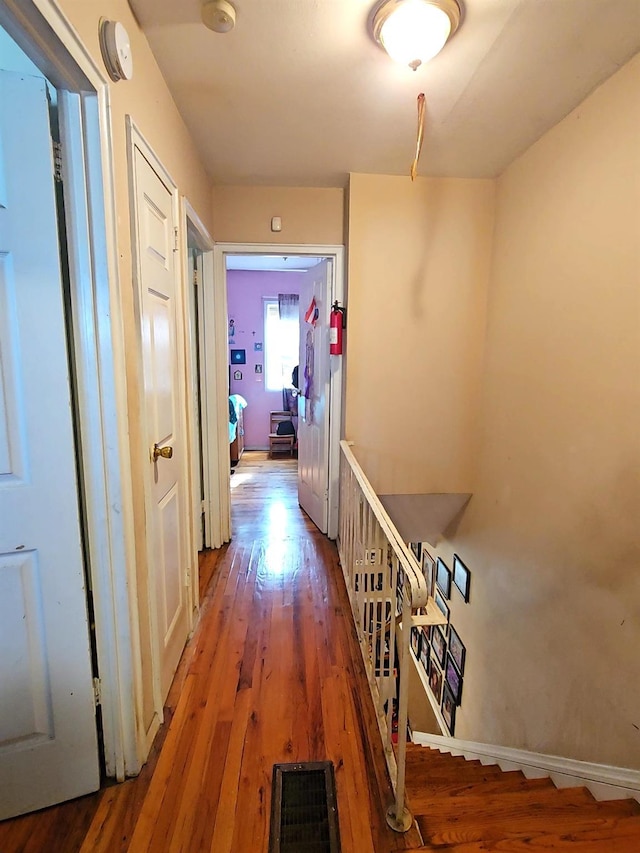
<point>375,563</point>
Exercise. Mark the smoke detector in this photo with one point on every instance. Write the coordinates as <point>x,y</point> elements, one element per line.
<point>219,16</point>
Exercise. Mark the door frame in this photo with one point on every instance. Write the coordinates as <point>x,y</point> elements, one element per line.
<point>217,354</point>
<point>41,30</point>
<point>194,230</point>
<point>135,139</point>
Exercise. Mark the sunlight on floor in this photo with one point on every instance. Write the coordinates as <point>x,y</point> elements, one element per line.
<point>278,520</point>
<point>277,546</point>
<point>238,479</point>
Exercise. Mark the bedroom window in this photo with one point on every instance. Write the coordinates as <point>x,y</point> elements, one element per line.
<point>281,341</point>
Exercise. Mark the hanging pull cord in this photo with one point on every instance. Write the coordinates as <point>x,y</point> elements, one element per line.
<point>421,118</point>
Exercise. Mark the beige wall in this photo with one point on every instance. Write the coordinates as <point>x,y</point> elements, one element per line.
<point>552,534</point>
<point>147,99</point>
<point>419,256</point>
<point>309,215</point>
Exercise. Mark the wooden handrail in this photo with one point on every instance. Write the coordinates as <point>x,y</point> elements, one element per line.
<point>377,567</point>
<point>419,593</point>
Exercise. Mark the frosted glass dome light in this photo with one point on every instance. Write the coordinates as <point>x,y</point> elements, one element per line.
<point>414,31</point>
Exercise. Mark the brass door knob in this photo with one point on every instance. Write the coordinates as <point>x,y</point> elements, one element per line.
<point>165,452</point>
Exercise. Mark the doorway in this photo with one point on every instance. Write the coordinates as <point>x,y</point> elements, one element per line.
<point>246,362</point>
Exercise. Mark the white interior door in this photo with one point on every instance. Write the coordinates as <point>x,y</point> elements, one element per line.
<point>313,403</point>
<point>48,744</point>
<point>164,404</point>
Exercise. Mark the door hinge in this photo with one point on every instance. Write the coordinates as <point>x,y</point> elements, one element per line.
<point>187,578</point>
<point>97,692</point>
<point>57,161</point>
<point>175,239</point>
<point>195,277</point>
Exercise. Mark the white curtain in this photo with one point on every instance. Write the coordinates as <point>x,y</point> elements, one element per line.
<point>289,312</point>
<point>288,306</point>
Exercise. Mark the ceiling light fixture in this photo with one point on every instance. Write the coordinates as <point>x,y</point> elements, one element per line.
<point>414,31</point>
<point>219,16</point>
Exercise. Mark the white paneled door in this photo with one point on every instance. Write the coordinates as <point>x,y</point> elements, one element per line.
<point>166,445</point>
<point>48,743</point>
<point>313,403</point>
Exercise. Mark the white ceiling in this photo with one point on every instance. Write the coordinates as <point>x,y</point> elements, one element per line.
<point>299,95</point>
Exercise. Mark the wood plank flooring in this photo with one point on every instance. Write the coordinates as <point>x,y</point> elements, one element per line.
<point>273,673</point>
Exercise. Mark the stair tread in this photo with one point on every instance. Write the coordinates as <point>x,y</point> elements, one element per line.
<point>624,837</point>
<point>443,773</point>
<point>424,754</point>
<point>514,781</point>
<point>562,820</point>
<point>511,803</point>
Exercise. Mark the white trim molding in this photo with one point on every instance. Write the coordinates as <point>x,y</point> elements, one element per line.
<point>219,356</point>
<point>604,781</point>
<point>47,37</point>
<point>194,235</point>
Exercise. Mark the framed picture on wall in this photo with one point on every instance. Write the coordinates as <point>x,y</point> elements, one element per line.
<point>258,368</point>
<point>456,649</point>
<point>449,709</point>
<point>424,655</point>
<point>237,374</point>
<point>461,576</point>
<point>438,644</point>
<point>238,356</point>
<point>435,679</point>
<point>442,604</point>
<point>416,547</point>
<point>443,577</point>
<point>453,679</point>
<point>416,640</point>
<point>428,569</point>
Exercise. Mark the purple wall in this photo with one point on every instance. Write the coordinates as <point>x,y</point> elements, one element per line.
<point>245,291</point>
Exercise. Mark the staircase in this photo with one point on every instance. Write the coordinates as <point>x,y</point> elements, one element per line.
<point>467,807</point>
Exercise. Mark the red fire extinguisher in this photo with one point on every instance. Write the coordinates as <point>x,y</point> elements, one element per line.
<point>336,327</point>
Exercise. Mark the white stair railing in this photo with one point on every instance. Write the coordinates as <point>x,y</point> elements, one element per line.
<point>388,596</point>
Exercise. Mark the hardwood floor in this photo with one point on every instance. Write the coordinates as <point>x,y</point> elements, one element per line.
<point>273,673</point>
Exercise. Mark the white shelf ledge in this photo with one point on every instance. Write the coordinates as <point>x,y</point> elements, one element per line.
<point>424,517</point>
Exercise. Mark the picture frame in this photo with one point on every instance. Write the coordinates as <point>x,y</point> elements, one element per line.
<point>416,639</point>
<point>237,374</point>
<point>448,709</point>
<point>443,577</point>
<point>439,645</point>
<point>453,679</point>
<point>426,634</point>
<point>257,346</point>
<point>457,649</point>
<point>428,570</point>
<point>461,577</point>
<point>435,680</point>
<point>416,547</point>
<point>424,655</point>
<point>258,368</point>
<point>238,356</point>
<point>441,604</point>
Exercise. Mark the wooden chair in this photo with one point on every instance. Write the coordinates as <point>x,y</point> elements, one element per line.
<point>280,443</point>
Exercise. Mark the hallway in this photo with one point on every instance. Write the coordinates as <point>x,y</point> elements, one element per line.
<point>269,676</point>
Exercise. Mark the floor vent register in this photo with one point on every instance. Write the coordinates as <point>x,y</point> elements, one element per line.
<point>304,809</point>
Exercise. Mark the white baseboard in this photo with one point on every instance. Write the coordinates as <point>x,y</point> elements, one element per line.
<point>604,782</point>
